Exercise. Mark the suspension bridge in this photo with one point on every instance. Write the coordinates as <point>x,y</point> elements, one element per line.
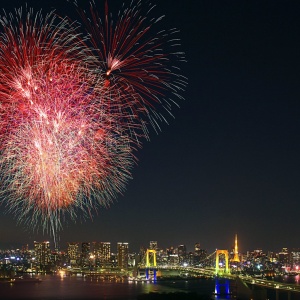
<point>217,265</point>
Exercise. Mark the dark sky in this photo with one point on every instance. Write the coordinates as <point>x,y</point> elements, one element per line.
<point>229,161</point>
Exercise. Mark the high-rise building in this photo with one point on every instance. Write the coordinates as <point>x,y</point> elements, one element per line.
<point>197,248</point>
<point>191,258</point>
<point>42,254</point>
<point>114,259</point>
<point>122,255</point>
<point>153,245</point>
<point>131,259</point>
<point>181,253</point>
<point>196,258</point>
<point>202,254</point>
<point>199,255</point>
<point>102,253</point>
<point>181,250</point>
<point>283,258</point>
<point>73,253</point>
<point>25,249</point>
<point>85,253</point>
<point>170,250</point>
<point>295,259</point>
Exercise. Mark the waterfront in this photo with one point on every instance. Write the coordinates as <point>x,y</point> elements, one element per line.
<point>56,287</point>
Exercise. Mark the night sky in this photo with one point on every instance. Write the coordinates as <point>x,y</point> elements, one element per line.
<point>229,161</point>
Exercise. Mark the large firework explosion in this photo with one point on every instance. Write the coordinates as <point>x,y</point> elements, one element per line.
<point>74,106</point>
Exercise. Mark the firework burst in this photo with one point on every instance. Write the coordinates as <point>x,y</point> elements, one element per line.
<point>139,62</point>
<point>61,150</point>
<point>74,106</point>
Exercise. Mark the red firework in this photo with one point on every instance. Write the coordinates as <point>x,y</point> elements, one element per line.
<point>61,149</point>
<point>135,59</point>
<point>73,106</point>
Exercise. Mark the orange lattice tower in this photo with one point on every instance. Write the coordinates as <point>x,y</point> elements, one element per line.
<point>236,253</point>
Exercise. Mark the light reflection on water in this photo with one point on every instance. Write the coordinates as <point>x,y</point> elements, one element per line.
<point>60,287</point>
<point>288,279</point>
<point>65,287</point>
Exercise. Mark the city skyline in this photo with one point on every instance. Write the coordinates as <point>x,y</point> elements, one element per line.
<point>114,247</point>
<point>88,255</point>
<point>229,161</point>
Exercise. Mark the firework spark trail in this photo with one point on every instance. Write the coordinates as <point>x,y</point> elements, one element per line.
<point>73,107</point>
<point>34,44</point>
<point>136,60</point>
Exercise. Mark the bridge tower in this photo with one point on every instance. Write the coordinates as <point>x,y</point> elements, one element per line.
<point>225,253</point>
<point>222,286</point>
<point>151,265</point>
<point>236,253</point>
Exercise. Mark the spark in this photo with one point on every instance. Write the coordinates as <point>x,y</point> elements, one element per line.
<point>75,105</point>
